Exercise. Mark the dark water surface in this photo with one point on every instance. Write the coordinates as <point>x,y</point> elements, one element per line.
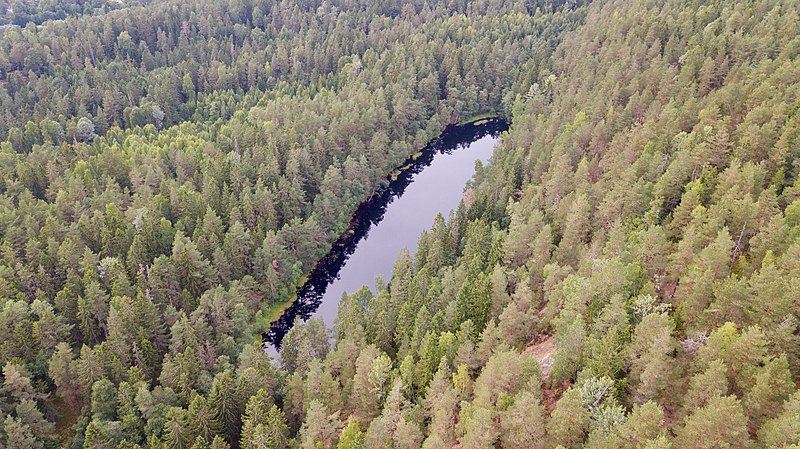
<point>391,220</point>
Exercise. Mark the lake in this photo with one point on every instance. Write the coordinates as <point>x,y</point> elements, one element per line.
<point>392,219</point>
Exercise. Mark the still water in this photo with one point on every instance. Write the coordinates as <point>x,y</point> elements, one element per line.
<point>391,220</point>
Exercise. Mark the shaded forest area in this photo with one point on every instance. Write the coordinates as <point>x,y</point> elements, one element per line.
<point>626,275</point>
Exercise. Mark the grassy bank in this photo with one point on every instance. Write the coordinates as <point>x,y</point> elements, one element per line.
<point>479,119</point>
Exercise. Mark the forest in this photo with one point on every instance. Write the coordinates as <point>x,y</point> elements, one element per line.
<point>626,273</point>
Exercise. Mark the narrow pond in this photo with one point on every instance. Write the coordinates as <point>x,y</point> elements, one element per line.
<point>391,220</point>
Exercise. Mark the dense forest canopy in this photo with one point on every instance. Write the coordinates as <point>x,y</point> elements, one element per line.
<point>22,12</point>
<point>625,275</point>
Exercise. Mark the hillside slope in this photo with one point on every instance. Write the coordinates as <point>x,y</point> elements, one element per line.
<point>643,210</point>
<point>626,275</point>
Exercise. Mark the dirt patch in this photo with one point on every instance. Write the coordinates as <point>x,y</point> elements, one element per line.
<point>65,415</point>
<point>550,396</point>
<point>542,350</point>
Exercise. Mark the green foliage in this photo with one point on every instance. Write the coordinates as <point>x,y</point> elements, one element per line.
<point>721,423</point>
<point>169,172</point>
<point>352,436</point>
<point>104,400</point>
<point>569,422</point>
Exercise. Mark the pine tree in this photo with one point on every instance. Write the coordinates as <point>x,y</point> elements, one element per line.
<point>195,273</point>
<point>782,431</point>
<point>570,333</point>
<point>202,418</point>
<point>569,421</point>
<point>320,429</point>
<point>264,424</point>
<point>177,430</point>
<point>104,400</point>
<point>271,433</point>
<point>772,386</point>
<point>479,428</point>
<point>704,386</point>
<point>523,423</point>
<point>650,357</point>
<point>19,435</point>
<point>223,399</point>
<point>352,436</point>
<point>721,423</point>
<point>219,443</point>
